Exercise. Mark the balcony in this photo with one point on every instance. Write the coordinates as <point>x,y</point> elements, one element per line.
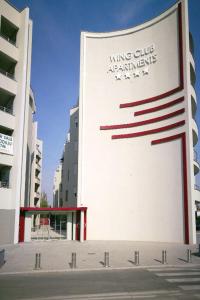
<point>7,66</point>
<point>8,31</point>
<point>194,132</point>
<point>38,152</point>
<point>32,100</point>
<point>196,166</point>
<point>191,41</point>
<point>37,202</point>
<point>193,101</point>
<point>37,180</point>
<point>38,167</point>
<point>4,184</point>
<point>196,193</point>
<point>6,109</point>
<point>4,177</point>
<point>37,195</point>
<point>192,75</point>
<point>197,187</point>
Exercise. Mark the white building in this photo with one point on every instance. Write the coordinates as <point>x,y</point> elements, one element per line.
<point>57,187</point>
<point>18,133</point>
<point>137,133</point>
<point>36,171</point>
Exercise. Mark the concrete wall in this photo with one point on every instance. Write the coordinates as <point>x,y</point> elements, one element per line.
<point>7,221</point>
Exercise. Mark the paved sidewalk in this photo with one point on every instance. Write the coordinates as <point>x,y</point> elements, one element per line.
<point>56,255</point>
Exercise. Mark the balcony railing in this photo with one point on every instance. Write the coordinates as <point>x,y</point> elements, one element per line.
<point>4,184</point>
<point>39,152</point>
<point>197,187</point>
<point>5,37</point>
<point>7,74</point>
<point>7,110</point>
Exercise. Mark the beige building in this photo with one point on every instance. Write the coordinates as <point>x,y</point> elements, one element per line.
<point>18,132</point>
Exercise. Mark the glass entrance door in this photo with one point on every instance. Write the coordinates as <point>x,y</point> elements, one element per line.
<point>52,227</point>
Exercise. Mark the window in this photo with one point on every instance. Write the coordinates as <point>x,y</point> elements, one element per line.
<point>68,175</point>
<point>66,195</point>
<point>8,30</point>
<point>4,176</point>
<point>76,122</point>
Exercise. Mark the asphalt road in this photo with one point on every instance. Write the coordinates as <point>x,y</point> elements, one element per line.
<point>161,283</point>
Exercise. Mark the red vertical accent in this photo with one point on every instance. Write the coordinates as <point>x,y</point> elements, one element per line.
<point>21,226</point>
<point>185,181</point>
<point>85,225</point>
<point>181,77</point>
<point>180,45</point>
<point>78,225</point>
<point>185,188</point>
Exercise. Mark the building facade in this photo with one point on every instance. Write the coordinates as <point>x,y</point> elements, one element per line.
<point>57,187</point>
<point>137,131</point>
<point>18,131</point>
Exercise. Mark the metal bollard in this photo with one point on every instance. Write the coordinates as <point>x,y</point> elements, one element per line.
<point>189,252</point>
<point>164,257</point>
<point>73,263</point>
<point>37,261</point>
<point>106,259</point>
<point>137,258</point>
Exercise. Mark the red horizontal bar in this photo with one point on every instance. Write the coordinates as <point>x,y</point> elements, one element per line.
<point>167,139</point>
<point>49,209</point>
<point>147,132</point>
<point>140,123</point>
<point>152,99</point>
<point>160,107</point>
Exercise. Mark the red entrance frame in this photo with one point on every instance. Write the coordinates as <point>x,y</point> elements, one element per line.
<point>78,210</point>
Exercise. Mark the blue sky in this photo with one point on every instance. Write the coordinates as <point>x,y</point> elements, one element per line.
<point>56,56</point>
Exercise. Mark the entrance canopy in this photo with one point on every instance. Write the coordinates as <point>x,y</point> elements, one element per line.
<point>51,209</point>
<point>76,220</point>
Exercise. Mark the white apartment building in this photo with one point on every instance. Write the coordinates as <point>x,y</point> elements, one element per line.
<point>57,187</point>
<point>136,133</point>
<point>36,171</point>
<point>66,174</point>
<point>18,132</point>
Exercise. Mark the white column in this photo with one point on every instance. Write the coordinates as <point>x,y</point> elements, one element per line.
<point>27,229</point>
<point>74,227</point>
<point>82,226</point>
<point>69,226</point>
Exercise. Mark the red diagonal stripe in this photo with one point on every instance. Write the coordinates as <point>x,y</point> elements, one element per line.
<point>140,123</point>
<point>160,107</point>
<point>147,132</point>
<point>152,99</point>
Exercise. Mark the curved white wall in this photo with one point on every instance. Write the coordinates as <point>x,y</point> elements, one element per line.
<point>135,190</point>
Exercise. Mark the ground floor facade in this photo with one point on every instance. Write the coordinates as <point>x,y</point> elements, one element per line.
<point>52,224</point>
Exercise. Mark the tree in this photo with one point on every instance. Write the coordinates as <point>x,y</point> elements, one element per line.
<point>43,200</point>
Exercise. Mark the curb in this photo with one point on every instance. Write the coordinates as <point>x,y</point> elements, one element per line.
<point>188,265</point>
